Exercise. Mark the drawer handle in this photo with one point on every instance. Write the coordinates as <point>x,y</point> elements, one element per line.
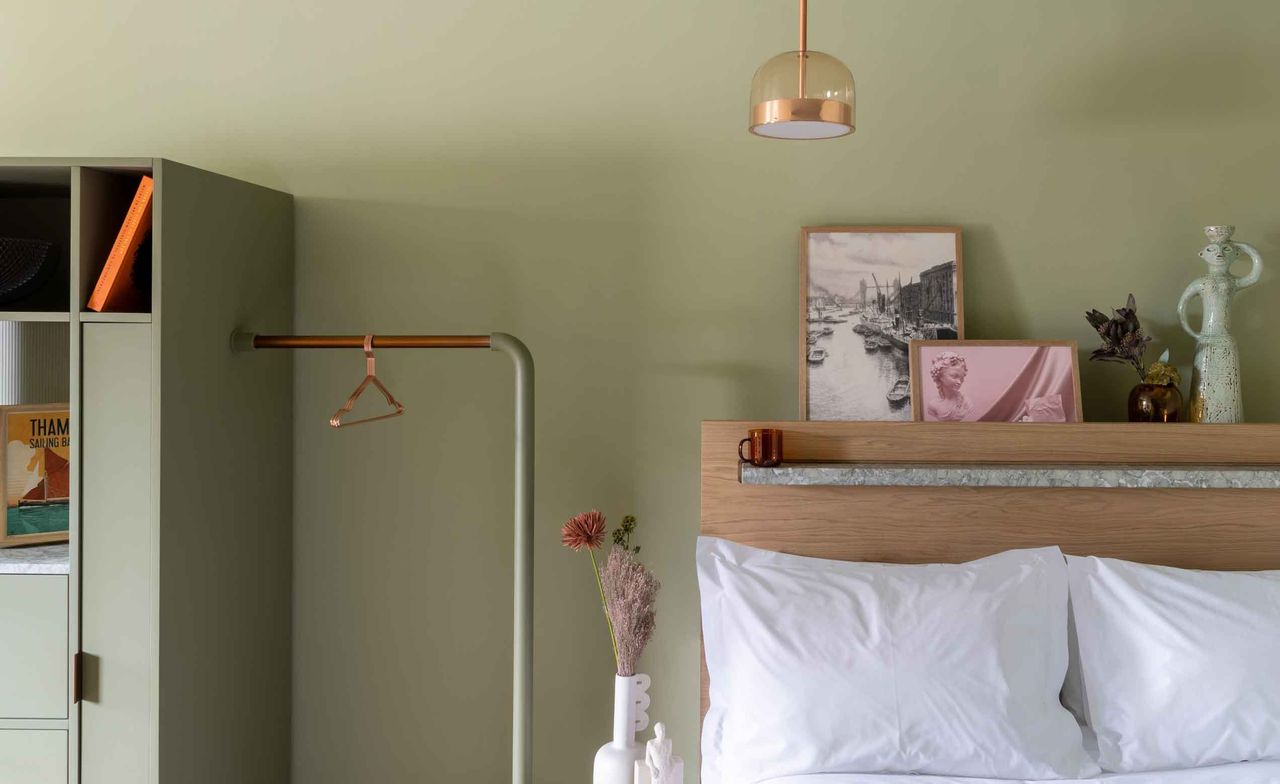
<point>85,669</point>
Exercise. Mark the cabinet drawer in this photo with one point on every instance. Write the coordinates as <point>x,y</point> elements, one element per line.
<point>33,647</point>
<point>33,757</point>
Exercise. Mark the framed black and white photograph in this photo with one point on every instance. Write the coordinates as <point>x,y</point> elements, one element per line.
<point>865,293</point>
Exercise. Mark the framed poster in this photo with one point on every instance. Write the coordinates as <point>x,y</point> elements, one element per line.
<point>866,292</point>
<point>36,471</point>
<point>996,381</point>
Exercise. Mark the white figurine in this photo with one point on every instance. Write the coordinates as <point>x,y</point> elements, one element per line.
<point>1215,378</point>
<point>660,765</point>
<point>657,755</point>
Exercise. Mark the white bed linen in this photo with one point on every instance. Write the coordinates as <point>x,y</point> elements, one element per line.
<point>1181,667</point>
<point>821,665</point>
<point>1264,772</point>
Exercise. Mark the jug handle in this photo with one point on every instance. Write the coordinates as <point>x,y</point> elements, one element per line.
<point>1191,293</point>
<point>1255,273</point>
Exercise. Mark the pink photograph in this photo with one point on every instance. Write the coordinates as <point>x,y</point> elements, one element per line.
<point>995,381</point>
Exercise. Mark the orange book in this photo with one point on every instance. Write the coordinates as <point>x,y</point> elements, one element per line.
<point>114,289</point>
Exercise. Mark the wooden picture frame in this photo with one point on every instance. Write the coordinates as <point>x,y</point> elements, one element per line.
<point>880,397</point>
<point>52,436</point>
<point>997,405</point>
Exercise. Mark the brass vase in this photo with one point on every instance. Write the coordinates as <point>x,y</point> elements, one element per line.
<point>1155,403</point>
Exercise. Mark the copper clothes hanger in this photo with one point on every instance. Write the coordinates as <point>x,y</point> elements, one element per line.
<point>370,377</point>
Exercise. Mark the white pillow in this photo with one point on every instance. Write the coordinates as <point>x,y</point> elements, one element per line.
<point>828,666</point>
<point>1181,668</point>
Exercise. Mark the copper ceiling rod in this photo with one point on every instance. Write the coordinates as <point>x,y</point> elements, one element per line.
<point>804,25</point>
<point>357,341</point>
<point>804,41</point>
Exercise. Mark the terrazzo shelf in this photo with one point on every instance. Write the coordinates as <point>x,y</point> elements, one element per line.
<point>905,475</point>
<point>44,559</point>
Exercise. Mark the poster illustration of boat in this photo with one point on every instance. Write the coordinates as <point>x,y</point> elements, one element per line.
<point>36,473</point>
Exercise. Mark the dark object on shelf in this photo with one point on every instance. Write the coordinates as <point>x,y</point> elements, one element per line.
<point>1155,403</point>
<point>24,266</point>
<point>140,275</point>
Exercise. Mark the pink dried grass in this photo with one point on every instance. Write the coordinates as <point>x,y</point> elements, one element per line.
<point>630,592</point>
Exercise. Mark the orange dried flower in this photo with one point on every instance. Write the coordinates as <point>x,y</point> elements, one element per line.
<point>584,531</point>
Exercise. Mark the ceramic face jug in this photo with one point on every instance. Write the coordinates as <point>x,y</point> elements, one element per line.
<point>1215,381</point>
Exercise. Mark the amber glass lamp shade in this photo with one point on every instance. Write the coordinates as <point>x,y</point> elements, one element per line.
<point>802,95</point>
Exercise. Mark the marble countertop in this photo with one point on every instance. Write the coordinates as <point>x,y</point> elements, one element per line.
<point>42,559</point>
<point>905,475</point>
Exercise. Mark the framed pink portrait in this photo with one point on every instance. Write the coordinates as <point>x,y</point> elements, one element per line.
<point>995,381</point>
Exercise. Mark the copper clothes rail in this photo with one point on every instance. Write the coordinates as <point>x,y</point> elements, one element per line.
<point>379,341</point>
<point>522,665</point>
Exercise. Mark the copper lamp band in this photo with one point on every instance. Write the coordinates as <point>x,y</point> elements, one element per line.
<point>801,109</point>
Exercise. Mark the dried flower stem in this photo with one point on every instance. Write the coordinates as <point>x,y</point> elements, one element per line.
<point>604,604</point>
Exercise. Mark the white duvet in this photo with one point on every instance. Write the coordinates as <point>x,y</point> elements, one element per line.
<point>1264,772</point>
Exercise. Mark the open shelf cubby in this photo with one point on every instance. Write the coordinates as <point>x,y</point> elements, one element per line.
<point>105,195</point>
<point>35,362</point>
<point>35,204</point>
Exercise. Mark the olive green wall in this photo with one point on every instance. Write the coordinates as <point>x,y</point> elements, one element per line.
<point>578,173</point>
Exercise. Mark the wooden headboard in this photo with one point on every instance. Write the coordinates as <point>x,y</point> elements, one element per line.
<point>1221,529</point>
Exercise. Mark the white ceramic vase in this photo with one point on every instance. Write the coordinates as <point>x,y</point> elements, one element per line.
<point>1215,379</point>
<point>615,761</point>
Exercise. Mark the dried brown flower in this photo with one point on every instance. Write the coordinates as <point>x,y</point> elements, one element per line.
<point>630,592</point>
<point>584,531</point>
<point>1122,337</point>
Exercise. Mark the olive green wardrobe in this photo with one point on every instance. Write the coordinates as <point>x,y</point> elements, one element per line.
<point>161,653</point>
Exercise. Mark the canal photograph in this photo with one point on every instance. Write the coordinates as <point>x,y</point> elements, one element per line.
<point>865,294</point>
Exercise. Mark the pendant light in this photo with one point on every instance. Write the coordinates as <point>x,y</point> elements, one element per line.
<point>802,94</point>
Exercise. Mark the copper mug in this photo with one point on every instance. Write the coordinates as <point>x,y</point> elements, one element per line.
<point>764,447</point>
